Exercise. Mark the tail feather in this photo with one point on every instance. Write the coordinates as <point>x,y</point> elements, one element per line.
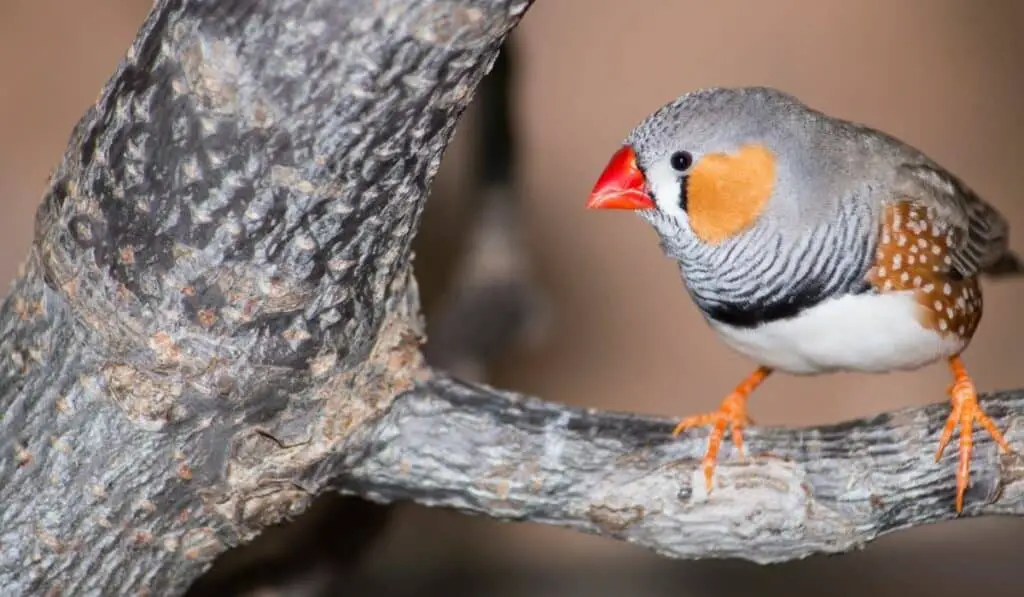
<point>1008,265</point>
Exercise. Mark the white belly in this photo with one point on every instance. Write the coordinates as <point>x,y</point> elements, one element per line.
<point>866,333</point>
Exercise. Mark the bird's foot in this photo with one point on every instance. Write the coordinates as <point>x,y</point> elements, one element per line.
<point>965,412</point>
<point>732,414</point>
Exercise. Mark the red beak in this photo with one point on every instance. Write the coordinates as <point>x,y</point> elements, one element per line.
<point>621,185</point>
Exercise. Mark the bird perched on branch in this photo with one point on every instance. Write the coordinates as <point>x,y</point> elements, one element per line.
<point>813,245</point>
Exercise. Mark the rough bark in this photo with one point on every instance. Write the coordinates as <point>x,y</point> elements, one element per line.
<point>797,492</point>
<point>218,313</point>
<point>488,299</point>
<point>219,295</point>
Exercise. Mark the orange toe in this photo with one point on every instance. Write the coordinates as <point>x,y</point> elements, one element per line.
<point>732,414</point>
<point>965,412</point>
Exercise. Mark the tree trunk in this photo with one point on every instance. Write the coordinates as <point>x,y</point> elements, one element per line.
<point>219,297</point>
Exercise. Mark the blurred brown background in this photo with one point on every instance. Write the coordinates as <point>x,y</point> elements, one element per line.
<point>944,75</point>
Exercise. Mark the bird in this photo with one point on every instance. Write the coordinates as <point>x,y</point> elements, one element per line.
<point>812,244</point>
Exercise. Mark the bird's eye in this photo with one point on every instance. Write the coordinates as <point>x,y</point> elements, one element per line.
<point>681,160</point>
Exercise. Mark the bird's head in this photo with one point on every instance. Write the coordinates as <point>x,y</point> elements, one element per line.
<point>702,167</point>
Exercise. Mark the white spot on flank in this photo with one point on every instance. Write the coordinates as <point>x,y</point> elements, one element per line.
<point>947,289</point>
<point>897,261</point>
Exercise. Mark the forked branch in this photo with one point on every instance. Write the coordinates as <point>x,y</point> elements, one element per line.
<point>217,321</point>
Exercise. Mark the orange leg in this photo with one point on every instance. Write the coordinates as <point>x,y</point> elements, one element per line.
<point>732,412</point>
<point>965,411</point>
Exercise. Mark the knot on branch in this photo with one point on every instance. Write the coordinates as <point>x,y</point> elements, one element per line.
<point>765,506</point>
<point>314,424</point>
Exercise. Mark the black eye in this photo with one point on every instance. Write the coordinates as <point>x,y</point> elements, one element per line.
<point>681,160</point>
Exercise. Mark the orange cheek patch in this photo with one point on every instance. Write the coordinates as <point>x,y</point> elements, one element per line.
<point>726,192</point>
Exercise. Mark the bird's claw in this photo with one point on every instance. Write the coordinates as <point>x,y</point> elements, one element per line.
<point>965,413</point>
<point>732,414</point>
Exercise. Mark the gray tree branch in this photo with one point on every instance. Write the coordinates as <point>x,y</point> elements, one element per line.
<point>797,492</point>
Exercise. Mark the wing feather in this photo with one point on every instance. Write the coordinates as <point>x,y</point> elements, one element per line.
<point>981,232</point>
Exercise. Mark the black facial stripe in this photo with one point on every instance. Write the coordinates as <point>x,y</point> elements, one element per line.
<point>683,193</point>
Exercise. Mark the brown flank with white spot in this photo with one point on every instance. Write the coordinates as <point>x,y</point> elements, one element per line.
<point>913,254</point>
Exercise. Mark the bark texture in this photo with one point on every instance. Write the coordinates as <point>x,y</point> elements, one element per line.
<point>797,492</point>
<point>219,296</point>
<point>217,321</point>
